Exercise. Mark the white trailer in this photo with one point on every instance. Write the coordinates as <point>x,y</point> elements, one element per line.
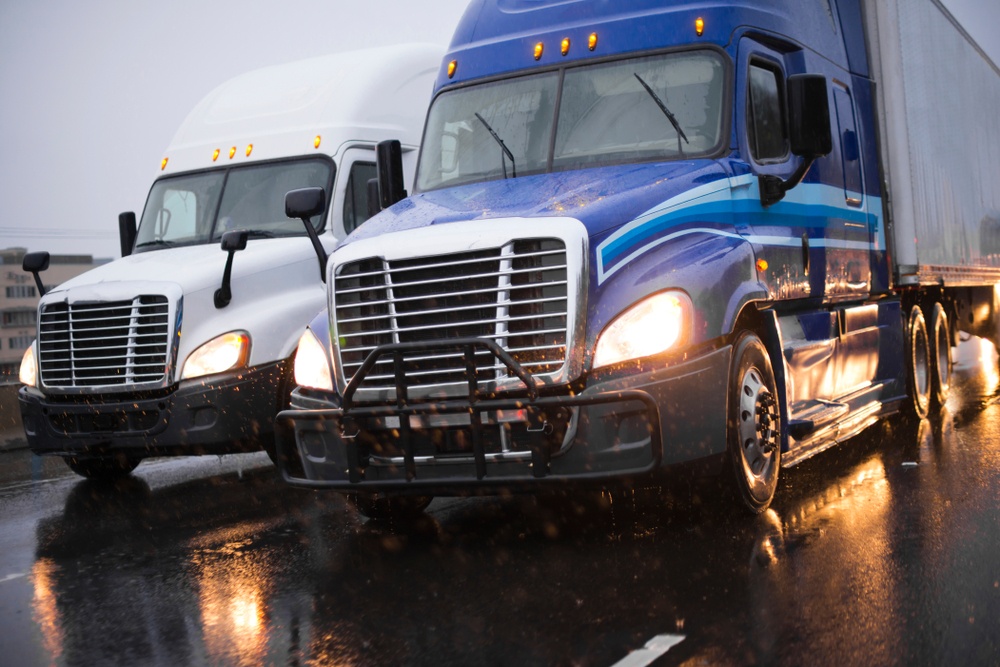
<point>939,136</point>
<point>180,347</point>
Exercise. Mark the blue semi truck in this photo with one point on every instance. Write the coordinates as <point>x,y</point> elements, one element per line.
<point>653,233</point>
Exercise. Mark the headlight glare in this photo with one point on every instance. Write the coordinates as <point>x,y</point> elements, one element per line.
<point>222,353</point>
<point>649,327</point>
<point>28,374</point>
<point>312,364</point>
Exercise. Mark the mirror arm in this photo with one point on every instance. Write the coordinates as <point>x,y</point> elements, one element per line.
<point>317,246</point>
<point>773,188</point>
<point>224,294</point>
<point>38,283</point>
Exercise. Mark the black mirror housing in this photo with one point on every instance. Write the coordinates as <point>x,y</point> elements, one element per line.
<point>35,262</point>
<point>374,205</point>
<point>389,164</point>
<point>809,115</point>
<point>126,232</point>
<point>305,203</point>
<point>235,240</point>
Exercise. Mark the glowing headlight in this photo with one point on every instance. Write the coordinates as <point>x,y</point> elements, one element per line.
<point>312,365</point>
<point>652,326</point>
<point>222,353</point>
<point>29,371</point>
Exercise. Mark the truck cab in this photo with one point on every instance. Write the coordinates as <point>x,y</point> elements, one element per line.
<point>185,344</point>
<point>642,234</point>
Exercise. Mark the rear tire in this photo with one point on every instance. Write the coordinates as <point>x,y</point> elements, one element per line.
<point>940,339</point>
<point>918,364</point>
<point>753,425</point>
<point>105,468</point>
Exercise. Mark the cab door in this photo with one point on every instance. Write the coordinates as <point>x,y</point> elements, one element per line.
<point>848,255</point>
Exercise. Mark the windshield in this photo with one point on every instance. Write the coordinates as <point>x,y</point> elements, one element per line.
<point>661,107</point>
<point>199,208</point>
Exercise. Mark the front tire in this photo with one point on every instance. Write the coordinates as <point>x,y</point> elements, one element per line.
<point>753,425</point>
<point>105,468</point>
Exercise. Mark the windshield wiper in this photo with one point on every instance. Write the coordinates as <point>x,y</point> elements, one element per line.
<point>666,112</point>
<point>503,147</point>
<point>158,243</point>
<point>259,234</point>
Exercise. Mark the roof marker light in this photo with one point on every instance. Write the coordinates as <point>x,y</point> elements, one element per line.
<point>163,165</point>
<point>539,49</point>
<point>699,26</point>
<point>592,41</point>
<point>249,149</point>
<point>215,154</point>
<point>564,47</point>
<point>317,141</point>
<point>232,152</point>
<point>452,66</point>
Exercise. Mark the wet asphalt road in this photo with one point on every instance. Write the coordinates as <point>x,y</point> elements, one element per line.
<point>885,550</point>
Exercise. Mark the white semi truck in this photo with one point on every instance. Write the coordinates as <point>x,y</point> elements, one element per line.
<point>182,348</point>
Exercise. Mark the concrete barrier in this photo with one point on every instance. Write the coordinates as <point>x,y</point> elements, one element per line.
<point>11,431</point>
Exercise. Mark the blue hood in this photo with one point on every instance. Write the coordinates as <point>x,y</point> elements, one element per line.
<point>602,198</point>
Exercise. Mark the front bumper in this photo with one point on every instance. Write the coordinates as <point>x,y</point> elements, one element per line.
<point>229,412</point>
<point>624,429</point>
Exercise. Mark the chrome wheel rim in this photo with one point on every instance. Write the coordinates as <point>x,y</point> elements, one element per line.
<point>759,428</point>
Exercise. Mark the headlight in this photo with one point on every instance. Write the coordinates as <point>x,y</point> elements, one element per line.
<point>312,365</point>
<point>29,371</point>
<point>652,326</point>
<point>222,353</point>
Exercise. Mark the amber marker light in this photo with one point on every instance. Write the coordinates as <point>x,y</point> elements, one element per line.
<point>699,26</point>
<point>249,149</point>
<point>232,152</point>
<point>539,49</point>
<point>564,47</point>
<point>592,41</point>
<point>317,141</point>
<point>163,165</point>
<point>762,265</point>
<point>215,154</point>
<point>452,66</point>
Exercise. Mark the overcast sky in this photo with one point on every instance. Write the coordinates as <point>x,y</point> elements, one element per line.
<point>91,93</point>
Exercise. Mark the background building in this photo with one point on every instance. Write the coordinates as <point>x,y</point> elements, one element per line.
<point>19,302</point>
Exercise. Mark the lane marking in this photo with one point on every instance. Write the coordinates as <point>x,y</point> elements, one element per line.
<point>653,649</point>
<point>11,577</point>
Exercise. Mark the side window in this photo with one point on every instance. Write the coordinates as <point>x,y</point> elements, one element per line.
<point>356,198</point>
<point>765,113</point>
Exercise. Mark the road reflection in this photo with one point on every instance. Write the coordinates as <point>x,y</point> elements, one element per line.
<point>872,554</point>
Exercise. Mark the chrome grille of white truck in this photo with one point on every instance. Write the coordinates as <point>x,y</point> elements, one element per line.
<point>112,343</point>
<point>515,294</point>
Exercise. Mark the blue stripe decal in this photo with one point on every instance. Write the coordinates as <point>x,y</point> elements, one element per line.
<point>728,202</point>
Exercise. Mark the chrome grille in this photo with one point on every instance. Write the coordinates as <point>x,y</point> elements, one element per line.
<point>515,294</point>
<point>110,343</point>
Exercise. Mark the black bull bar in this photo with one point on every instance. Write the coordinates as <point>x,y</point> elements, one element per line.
<point>473,404</point>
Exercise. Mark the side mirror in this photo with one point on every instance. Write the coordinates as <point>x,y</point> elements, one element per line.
<point>303,204</point>
<point>809,132</point>
<point>389,164</point>
<point>235,240</point>
<point>126,232</point>
<point>374,205</point>
<point>809,115</point>
<point>34,263</point>
<point>231,242</point>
